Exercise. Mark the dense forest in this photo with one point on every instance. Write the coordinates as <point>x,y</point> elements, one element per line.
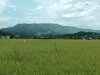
<point>11,34</point>
<point>45,29</point>
<point>48,31</point>
<point>79,35</point>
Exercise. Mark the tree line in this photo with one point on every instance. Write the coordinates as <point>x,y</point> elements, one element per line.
<point>79,35</point>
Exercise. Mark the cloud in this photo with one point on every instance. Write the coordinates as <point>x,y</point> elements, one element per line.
<point>78,13</point>
<point>3,5</point>
<point>12,7</point>
<point>4,19</point>
<point>39,7</point>
<point>4,22</point>
<point>75,13</point>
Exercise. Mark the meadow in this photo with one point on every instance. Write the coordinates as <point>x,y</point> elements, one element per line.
<point>49,57</point>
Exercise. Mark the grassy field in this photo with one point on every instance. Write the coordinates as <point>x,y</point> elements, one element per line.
<point>49,57</point>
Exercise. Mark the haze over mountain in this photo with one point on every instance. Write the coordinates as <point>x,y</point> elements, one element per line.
<point>45,28</point>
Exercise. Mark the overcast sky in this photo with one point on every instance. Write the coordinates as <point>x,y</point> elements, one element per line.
<point>78,13</point>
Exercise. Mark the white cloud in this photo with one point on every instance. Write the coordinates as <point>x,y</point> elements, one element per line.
<point>3,5</point>
<point>79,13</point>
<point>4,22</point>
<point>69,15</point>
<point>4,18</point>
<point>13,7</point>
<point>39,7</point>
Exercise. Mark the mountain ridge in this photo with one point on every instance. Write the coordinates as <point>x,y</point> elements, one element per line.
<point>45,28</point>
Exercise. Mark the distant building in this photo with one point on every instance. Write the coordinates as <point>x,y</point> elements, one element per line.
<point>17,36</point>
<point>83,38</point>
<point>7,37</point>
<point>3,37</point>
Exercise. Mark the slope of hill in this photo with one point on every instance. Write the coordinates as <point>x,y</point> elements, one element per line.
<point>45,28</point>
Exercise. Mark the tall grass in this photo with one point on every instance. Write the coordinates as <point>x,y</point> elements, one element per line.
<point>49,57</point>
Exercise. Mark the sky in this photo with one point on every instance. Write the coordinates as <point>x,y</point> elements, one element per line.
<point>77,13</point>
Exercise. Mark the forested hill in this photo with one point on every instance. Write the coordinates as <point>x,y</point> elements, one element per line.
<point>45,28</point>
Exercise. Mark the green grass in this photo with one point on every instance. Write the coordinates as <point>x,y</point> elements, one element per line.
<point>49,57</point>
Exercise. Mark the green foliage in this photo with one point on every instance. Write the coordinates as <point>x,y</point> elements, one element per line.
<point>45,28</point>
<point>49,57</point>
<point>15,56</point>
<point>4,33</point>
<point>81,34</point>
<point>56,50</point>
